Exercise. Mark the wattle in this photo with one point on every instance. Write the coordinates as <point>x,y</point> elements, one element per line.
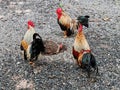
<point>75,53</point>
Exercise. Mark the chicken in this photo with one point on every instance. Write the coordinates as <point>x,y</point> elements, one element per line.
<point>35,48</point>
<point>28,38</point>
<point>81,49</point>
<point>66,23</point>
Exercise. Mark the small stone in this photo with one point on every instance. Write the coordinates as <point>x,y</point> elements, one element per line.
<point>1,16</point>
<point>27,11</point>
<point>63,83</point>
<point>21,3</point>
<point>18,63</point>
<point>18,11</point>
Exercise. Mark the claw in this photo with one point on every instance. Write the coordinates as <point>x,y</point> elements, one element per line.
<point>32,64</point>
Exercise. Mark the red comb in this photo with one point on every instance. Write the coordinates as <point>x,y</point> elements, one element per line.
<point>59,10</point>
<point>31,23</point>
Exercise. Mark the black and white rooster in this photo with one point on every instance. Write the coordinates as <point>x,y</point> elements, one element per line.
<point>35,49</point>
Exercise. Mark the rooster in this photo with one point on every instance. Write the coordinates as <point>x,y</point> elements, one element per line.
<point>81,49</point>
<point>66,23</point>
<point>28,38</point>
<point>35,48</point>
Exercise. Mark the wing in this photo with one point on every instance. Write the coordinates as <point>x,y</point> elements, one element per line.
<point>81,42</point>
<point>65,20</point>
<point>24,45</point>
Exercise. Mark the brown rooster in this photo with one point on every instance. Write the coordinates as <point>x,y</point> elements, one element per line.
<point>66,23</point>
<point>28,38</point>
<point>81,50</point>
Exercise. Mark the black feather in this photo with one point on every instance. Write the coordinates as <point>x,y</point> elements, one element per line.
<point>25,55</point>
<point>21,47</point>
<point>83,20</point>
<point>37,46</point>
<point>64,28</point>
<point>88,62</point>
<point>87,16</point>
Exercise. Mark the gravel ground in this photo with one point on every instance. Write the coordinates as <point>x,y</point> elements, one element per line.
<point>58,72</point>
